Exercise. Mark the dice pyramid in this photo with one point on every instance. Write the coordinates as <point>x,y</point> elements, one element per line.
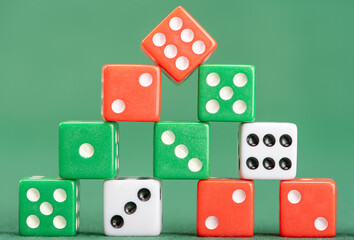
<point>179,45</point>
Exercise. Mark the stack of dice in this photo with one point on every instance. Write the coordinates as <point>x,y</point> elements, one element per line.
<point>133,206</point>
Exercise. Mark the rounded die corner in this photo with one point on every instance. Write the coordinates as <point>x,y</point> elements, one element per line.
<point>206,124</point>
<point>62,124</point>
<point>104,67</point>
<point>203,118</point>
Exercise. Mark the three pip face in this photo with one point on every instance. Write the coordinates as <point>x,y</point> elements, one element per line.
<point>181,150</point>
<point>132,207</point>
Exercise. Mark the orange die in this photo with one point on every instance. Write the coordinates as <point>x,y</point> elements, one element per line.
<point>308,208</point>
<point>131,93</point>
<point>179,44</point>
<point>225,208</point>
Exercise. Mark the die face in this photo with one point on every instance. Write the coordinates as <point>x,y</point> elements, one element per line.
<point>179,44</point>
<point>88,150</point>
<point>268,151</point>
<point>131,93</point>
<point>308,208</point>
<point>48,207</point>
<point>181,150</point>
<point>226,93</point>
<point>225,208</point>
<point>132,207</point>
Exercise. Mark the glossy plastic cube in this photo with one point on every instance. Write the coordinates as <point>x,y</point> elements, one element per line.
<point>131,93</point>
<point>179,44</point>
<point>181,150</point>
<point>132,207</point>
<point>48,207</point>
<point>308,208</point>
<point>88,150</point>
<point>227,93</point>
<point>268,151</point>
<point>225,208</point>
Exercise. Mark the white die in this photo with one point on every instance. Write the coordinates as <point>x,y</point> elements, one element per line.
<point>132,207</point>
<point>259,158</point>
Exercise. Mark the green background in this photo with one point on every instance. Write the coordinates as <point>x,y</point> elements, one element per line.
<point>51,53</point>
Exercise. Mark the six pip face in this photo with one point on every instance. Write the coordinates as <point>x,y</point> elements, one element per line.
<point>179,44</point>
<point>268,151</point>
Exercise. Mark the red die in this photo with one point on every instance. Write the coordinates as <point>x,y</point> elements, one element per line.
<point>225,208</point>
<point>131,93</point>
<point>178,44</point>
<point>308,208</point>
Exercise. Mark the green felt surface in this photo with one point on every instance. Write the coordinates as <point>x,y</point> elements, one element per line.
<point>51,54</point>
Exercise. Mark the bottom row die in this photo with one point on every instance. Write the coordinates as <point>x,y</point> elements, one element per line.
<point>225,208</point>
<point>308,208</point>
<point>132,207</point>
<point>48,207</point>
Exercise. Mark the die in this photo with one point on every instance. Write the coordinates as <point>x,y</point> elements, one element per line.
<point>267,150</point>
<point>88,150</point>
<point>181,150</point>
<point>226,93</point>
<point>225,208</point>
<point>131,93</point>
<point>132,207</point>
<point>178,44</point>
<point>48,207</point>
<point>308,208</point>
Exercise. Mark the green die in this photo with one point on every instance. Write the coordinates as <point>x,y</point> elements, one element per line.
<point>227,93</point>
<point>181,150</point>
<point>48,207</point>
<point>88,150</point>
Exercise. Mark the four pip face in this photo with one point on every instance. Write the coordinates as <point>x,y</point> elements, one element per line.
<point>133,206</point>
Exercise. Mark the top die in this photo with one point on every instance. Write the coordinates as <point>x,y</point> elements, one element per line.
<point>178,44</point>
